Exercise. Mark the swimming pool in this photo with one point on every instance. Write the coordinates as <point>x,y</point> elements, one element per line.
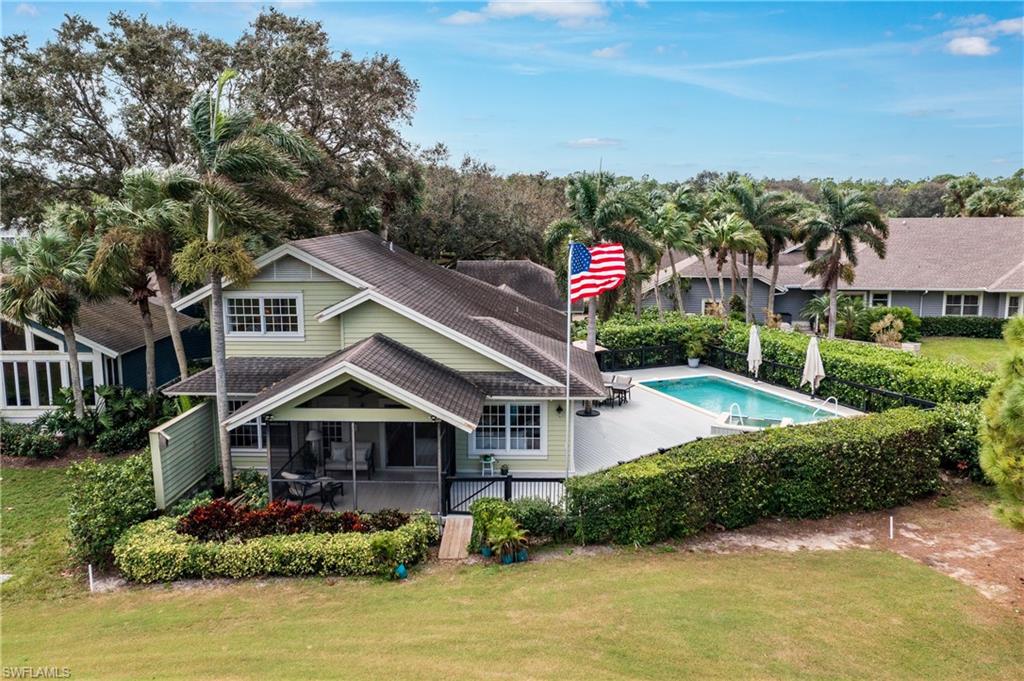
<point>717,395</point>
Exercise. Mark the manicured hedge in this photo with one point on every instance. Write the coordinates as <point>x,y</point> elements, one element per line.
<point>855,464</point>
<point>961,442</point>
<point>969,327</point>
<point>541,519</point>
<point>23,440</point>
<point>154,552</point>
<point>886,368</point>
<point>621,333</point>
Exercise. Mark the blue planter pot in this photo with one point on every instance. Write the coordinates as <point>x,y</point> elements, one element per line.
<point>507,559</point>
<point>401,572</point>
<point>486,552</point>
<point>521,556</point>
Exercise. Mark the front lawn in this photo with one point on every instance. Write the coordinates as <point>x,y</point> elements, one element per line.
<point>981,353</point>
<point>646,614</point>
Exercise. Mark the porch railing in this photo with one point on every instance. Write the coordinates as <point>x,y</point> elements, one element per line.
<point>859,396</point>
<point>460,491</point>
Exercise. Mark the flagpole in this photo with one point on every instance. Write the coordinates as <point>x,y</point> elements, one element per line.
<point>568,359</point>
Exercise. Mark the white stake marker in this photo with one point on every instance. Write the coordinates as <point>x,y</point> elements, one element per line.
<point>890,527</point>
<point>90,578</point>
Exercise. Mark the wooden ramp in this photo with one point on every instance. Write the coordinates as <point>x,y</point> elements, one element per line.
<point>454,542</point>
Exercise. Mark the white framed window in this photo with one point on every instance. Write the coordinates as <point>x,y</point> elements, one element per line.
<point>879,299</point>
<point>271,315</point>
<point>962,305</point>
<point>14,339</point>
<point>1014,304</point>
<point>249,436</point>
<point>33,383</point>
<point>511,429</point>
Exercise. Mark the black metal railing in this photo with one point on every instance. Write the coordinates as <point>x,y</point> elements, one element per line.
<point>852,394</point>
<point>460,491</point>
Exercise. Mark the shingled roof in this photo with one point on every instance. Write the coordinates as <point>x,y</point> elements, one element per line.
<point>524,277</point>
<point>116,324</point>
<point>394,363</point>
<point>247,376</point>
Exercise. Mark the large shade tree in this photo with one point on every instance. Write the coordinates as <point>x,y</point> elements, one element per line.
<point>44,279</point>
<point>247,194</point>
<point>833,235</point>
<point>598,213</point>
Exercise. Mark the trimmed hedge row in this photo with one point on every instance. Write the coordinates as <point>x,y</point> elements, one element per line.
<point>968,327</point>
<point>855,464</point>
<point>154,552</point>
<point>901,372</point>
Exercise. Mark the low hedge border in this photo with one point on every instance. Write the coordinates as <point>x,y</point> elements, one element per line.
<point>154,552</point>
<point>855,464</point>
<point>967,327</point>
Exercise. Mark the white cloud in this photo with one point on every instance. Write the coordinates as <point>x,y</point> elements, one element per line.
<point>611,52</point>
<point>464,18</point>
<point>971,20</point>
<point>594,143</point>
<point>568,13</point>
<point>27,10</point>
<point>971,46</point>
<point>1007,26</point>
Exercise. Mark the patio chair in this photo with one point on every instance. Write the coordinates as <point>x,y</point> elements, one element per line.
<point>608,380</point>
<point>621,387</point>
<point>301,487</point>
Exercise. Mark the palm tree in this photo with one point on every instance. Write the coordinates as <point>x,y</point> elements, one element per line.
<point>696,207</point>
<point>247,191</point>
<point>849,312</point>
<point>44,279</point>
<point>671,231</point>
<point>596,214</point>
<point>831,238</point>
<point>771,214</point>
<point>151,220</point>
<point>725,236</point>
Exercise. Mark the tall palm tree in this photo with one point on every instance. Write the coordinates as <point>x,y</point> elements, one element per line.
<point>597,213</point>
<point>695,208</point>
<point>725,236</point>
<point>770,213</point>
<point>247,191</point>
<point>44,279</point>
<point>670,230</point>
<point>832,236</point>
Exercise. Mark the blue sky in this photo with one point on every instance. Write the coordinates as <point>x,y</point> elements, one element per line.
<point>667,89</point>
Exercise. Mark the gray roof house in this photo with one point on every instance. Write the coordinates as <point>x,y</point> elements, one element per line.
<point>351,358</point>
<point>934,266</point>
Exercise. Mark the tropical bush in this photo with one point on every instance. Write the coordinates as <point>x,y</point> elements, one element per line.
<point>105,499</point>
<point>21,439</point>
<point>911,330</point>
<point>1002,438</point>
<point>960,444</point>
<point>969,327</point>
<point>252,485</point>
<point>538,517</point>
<point>835,466</point>
<point>154,552</point>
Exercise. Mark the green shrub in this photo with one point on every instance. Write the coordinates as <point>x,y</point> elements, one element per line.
<point>185,506</point>
<point>105,499</point>
<point>252,485</point>
<point>1002,438</point>
<point>485,511</point>
<point>839,465</point>
<point>969,327</point>
<point>153,552</point>
<point>22,439</point>
<point>128,437</point>
<point>539,517</point>
<point>911,322</point>
<point>960,443</point>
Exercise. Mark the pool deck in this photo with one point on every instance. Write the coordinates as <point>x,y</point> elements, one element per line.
<point>653,420</point>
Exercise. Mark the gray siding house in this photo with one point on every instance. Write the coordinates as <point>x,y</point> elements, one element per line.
<point>934,266</point>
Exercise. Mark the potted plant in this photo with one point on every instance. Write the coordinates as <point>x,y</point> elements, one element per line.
<point>506,538</point>
<point>694,349</point>
<point>504,469</point>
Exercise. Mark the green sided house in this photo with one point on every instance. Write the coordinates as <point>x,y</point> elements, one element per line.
<point>363,376</point>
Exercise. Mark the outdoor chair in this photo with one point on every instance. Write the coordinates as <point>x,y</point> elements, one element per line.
<point>300,487</point>
<point>608,380</point>
<point>621,387</point>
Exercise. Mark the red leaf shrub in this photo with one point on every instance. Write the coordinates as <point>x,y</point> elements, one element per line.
<point>219,520</point>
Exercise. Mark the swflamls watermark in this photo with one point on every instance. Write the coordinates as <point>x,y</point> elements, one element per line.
<point>35,672</point>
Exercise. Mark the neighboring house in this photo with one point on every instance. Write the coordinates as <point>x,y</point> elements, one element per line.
<point>934,266</point>
<point>348,339</point>
<point>111,351</point>
<point>525,277</point>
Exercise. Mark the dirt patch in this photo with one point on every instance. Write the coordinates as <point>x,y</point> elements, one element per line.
<point>953,533</point>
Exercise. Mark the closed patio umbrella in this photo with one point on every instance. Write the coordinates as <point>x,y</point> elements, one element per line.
<point>814,370</point>
<point>754,351</point>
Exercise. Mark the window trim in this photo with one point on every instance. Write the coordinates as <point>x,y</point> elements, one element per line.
<point>509,454</point>
<point>261,296</point>
<point>262,431</point>
<point>871,295</point>
<point>33,381</point>
<point>31,333</point>
<point>1020,304</point>
<point>981,303</point>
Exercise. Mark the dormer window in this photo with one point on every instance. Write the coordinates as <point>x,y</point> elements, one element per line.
<point>274,315</point>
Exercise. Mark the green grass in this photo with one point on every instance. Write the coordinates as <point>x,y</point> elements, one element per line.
<point>983,353</point>
<point>654,613</point>
<point>33,535</point>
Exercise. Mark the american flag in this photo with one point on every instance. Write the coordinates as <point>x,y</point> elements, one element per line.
<point>592,271</point>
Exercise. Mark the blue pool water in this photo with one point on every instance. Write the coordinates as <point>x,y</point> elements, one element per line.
<point>717,394</point>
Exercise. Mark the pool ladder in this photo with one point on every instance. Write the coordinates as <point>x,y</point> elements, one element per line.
<point>736,414</point>
<point>835,408</point>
